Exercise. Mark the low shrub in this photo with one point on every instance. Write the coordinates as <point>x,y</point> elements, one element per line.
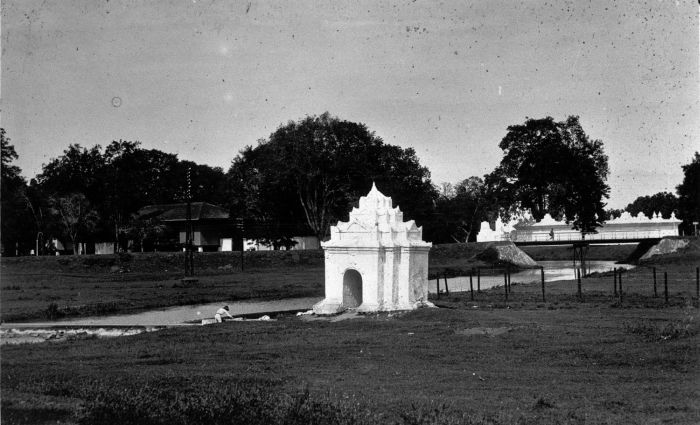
<point>52,312</point>
<point>218,403</point>
<point>678,329</point>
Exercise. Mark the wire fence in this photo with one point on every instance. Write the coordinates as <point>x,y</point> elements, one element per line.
<point>655,286</point>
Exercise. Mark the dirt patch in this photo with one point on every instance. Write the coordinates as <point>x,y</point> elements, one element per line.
<point>484,331</point>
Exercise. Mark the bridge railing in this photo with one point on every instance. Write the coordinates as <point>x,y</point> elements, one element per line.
<point>571,236</point>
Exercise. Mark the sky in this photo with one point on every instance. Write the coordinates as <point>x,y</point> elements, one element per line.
<point>204,79</point>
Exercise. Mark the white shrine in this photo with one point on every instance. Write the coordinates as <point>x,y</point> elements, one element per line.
<point>375,261</point>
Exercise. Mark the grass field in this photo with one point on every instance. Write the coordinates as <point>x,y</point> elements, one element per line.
<point>603,359</point>
<point>40,288</point>
<point>41,296</point>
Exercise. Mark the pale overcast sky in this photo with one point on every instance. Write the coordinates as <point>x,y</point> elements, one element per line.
<point>205,78</point>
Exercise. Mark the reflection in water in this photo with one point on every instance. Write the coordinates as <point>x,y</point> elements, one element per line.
<point>553,271</point>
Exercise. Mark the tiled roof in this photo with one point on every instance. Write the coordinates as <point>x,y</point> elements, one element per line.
<point>178,212</point>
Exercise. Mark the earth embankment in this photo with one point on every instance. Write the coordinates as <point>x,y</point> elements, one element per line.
<point>673,250</point>
<point>460,259</point>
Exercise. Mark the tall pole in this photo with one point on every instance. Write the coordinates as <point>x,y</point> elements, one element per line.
<point>189,255</point>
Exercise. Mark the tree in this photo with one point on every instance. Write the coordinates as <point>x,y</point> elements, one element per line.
<point>663,202</point>
<point>313,170</point>
<point>553,167</point>
<point>144,230</point>
<point>76,215</point>
<point>613,213</point>
<point>460,209</point>
<point>16,224</point>
<point>124,178</point>
<point>689,194</point>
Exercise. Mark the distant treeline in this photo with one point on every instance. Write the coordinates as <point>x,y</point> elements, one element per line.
<point>306,176</point>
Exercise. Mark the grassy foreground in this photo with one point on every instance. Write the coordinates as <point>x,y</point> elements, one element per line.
<point>600,360</point>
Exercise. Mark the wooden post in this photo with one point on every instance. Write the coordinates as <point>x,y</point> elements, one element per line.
<point>447,289</point>
<point>655,294</point>
<point>437,281</point>
<point>619,280</point>
<point>505,283</point>
<point>509,288</point>
<point>478,279</point>
<point>666,287</point>
<point>542,278</point>
<point>578,281</point>
<point>615,282</point>
<point>471,284</point>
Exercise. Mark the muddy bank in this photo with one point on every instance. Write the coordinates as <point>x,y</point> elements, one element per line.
<point>673,250</point>
<point>460,259</point>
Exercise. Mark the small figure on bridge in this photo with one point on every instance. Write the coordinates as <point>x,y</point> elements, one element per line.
<point>551,234</point>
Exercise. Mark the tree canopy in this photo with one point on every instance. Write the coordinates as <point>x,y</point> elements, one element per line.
<point>113,183</point>
<point>17,231</point>
<point>314,169</point>
<point>552,167</point>
<point>689,194</point>
<point>664,203</point>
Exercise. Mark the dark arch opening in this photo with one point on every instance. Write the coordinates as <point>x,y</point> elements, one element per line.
<point>352,289</point>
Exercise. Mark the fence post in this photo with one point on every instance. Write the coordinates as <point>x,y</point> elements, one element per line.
<point>542,278</point>
<point>666,287</point>
<point>578,281</point>
<point>615,281</point>
<point>437,281</point>
<point>471,284</point>
<point>505,283</point>
<point>478,279</point>
<point>655,294</point>
<point>619,280</point>
<point>447,289</point>
<point>509,288</point>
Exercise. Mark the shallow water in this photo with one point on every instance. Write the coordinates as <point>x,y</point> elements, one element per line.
<point>553,271</point>
<point>183,315</point>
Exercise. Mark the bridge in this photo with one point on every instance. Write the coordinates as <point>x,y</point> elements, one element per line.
<point>592,239</point>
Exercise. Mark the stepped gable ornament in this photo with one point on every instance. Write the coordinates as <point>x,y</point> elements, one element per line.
<point>375,261</point>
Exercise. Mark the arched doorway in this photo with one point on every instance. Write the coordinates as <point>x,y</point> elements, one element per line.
<point>352,289</point>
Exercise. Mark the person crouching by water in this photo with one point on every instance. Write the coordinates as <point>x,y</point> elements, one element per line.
<point>222,314</point>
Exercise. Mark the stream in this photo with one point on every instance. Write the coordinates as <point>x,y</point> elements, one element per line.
<point>192,315</point>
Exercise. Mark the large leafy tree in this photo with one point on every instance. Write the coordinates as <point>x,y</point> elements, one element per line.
<point>663,202</point>
<point>312,171</point>
<point>460,209</point>
<point>689,194</point>
<point>17,229</point>
<point>121,179</point>
<point>553,167</point>
<point>76,215</point>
